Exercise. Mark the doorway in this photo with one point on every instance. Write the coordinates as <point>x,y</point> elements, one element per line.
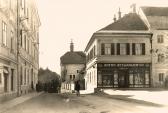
<point>123,81</point>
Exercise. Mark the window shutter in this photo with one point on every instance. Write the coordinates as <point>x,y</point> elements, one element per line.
<point>112,49</point>
<point>118,49</point>
<point>102,49</point>
<point>133,48</point>
<point>128,49</point>
<point>143,48</point>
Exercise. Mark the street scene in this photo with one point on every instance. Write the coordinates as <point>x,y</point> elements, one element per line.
<point>90,56</point>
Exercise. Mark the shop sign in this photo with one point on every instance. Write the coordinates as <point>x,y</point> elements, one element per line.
<point>123,65</point>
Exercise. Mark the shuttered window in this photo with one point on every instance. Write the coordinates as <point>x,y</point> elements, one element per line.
<point>133,48</point>
<point>143,48</point>
<point>128,49</point>
<point>102,49</point>
<point>112,49</point>
<point>118,49</point>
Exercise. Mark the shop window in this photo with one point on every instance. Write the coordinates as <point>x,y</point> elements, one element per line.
<point>146,77</point>
<point>99,78</point>
<point>161,77</point>
<point>160,39</point>
<point>131,81</point>
<point>115,77</point>
<point>138,78</point>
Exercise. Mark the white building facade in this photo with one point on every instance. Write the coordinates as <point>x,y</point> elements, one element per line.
<point>118,56</point>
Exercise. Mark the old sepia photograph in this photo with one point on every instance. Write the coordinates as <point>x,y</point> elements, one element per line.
<point>83,56</point>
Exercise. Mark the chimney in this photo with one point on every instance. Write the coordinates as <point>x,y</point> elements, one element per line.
<point>119,14</point>
<point>71,46</point>
<point>114,18</point>
<point>133,8</point>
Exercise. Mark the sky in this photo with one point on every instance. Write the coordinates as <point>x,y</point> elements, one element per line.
<point>63,20</point>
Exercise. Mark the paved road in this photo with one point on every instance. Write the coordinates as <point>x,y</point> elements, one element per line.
<point>65,103</point>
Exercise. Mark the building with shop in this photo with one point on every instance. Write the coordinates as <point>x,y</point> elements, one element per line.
<point>156,20</point>
<point>118,55</point>
<point>19,47</point>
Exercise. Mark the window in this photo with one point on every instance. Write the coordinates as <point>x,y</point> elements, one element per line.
<point>73,77</point>
<point>25,42</point>
<point>107,49</point>
<point>160,58</point>
<point>77,71</point>
<point>122,49</point>
<point>0,78</point>
<point>4,33</point>
<point>161,76</point>
<point>21,76</point>
<point>12,41</point>
<point>138,49</point>
<point>70,77</point>
<point>21,38</point>
<point>160,39</point>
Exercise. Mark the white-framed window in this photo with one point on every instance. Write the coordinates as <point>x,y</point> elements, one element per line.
<point>4,33</point>
<point>161,77</point>
<point>123,49</point>
<point>138,49</point>
<point>107,49</point>
<point>160,39</point>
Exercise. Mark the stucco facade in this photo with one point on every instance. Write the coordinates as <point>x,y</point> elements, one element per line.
<point>18,47</point>
<point>156,19</point>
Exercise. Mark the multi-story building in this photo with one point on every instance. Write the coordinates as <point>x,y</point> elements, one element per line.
<point>72,63</point>
<point>118,56</point>
<point>19,46</point>
<point>156,20</point>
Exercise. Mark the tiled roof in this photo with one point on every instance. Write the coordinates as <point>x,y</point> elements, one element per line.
<point>131,21</point>
<point>155,11</point>
<point>76,57</point>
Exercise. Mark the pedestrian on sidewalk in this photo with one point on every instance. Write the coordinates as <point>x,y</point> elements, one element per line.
<point>77,88</point>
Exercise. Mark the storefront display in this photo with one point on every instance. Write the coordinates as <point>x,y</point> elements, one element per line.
<point>123,75</point>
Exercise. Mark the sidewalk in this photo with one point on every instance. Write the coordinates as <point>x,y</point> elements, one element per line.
<point>11,103</point>
<point>153,96</point>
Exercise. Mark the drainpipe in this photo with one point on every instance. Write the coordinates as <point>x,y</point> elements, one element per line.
<point>18,33</point>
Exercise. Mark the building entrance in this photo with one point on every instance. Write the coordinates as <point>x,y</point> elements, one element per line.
<point>123,79</point>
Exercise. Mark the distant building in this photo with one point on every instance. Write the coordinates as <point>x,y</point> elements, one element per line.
<point>156,18</point>
<point>118,56</point>
<point>72,63</point>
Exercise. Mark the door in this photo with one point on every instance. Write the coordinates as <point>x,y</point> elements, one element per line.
<point>123,79</point>
<point>5,82</point>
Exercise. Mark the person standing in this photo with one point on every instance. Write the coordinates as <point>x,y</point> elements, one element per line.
<point>77,88</point>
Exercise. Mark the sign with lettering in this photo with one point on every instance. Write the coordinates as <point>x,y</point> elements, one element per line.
<point>122,65</point>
